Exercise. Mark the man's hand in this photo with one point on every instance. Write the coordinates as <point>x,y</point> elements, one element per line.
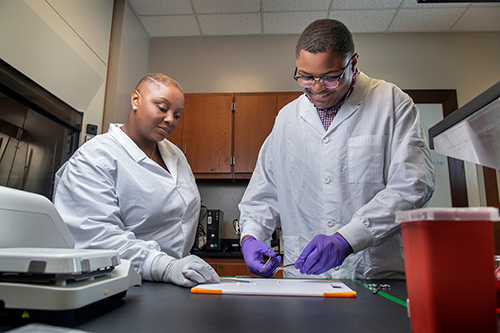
<point>254,252</point>
<point>322,254</point>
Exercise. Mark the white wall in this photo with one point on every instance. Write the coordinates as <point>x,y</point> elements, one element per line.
<point>63,46</point>
<point>467,62</point>
<point>128,63</point>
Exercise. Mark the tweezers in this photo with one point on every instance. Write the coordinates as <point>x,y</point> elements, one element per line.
<point>269,260</point>
<point>280,268</point>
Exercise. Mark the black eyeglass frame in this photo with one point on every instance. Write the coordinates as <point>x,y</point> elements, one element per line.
<point>320,79</point>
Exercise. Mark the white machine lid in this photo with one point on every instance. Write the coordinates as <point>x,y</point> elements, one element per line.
<point>31,220</point>
<point>56,261</point>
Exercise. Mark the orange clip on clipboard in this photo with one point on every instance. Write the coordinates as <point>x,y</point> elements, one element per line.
<point>276,287</point>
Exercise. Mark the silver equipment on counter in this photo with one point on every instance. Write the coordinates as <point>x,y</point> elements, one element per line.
<point>39,267</point>
<point>472,133</point>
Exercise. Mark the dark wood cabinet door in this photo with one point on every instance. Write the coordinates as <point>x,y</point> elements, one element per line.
<point>176,137</point>
<point>253,121</point>
<point>207,134</point>
<point>284,98</point>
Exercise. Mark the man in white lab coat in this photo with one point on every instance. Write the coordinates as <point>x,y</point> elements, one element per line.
<point>339,162</point>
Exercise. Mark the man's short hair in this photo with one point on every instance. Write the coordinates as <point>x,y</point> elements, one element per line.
<point>156,80</point>
<point>324,35</point>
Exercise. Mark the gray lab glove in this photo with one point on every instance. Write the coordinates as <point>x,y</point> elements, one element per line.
<point>185,272</point>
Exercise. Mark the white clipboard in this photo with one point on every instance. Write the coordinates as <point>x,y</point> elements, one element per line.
<point>276,287</point>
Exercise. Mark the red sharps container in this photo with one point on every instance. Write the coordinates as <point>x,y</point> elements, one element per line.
<point>449,261</point>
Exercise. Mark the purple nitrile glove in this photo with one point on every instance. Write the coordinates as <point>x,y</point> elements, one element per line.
<point>253,252</point>
<point>322,254</point>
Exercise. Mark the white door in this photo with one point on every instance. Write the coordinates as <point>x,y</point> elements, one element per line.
<point>430,115</point>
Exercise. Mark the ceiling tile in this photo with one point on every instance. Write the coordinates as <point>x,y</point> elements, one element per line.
<point>425,20</point>
<point>168,26</point>
<point>365,20</point>
<point>289,23</point>
<point>365,4</point>
<point>479,19</point>
<point>213,17</point>
<point>161,7</point>
<point>230,24</point>
<point>294,5</point>
<point>226,6</point>
<point>415,4</point>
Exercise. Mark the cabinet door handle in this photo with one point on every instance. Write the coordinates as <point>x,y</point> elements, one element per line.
<point>185,148</point>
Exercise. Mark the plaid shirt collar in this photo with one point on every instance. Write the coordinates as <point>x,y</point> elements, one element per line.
<point>328,114</point>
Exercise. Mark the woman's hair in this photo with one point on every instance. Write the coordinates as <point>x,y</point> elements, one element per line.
<point>325,35</point>
<point>155,80</point>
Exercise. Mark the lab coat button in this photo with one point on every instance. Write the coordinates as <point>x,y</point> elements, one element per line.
<point>178,186</point>
<point>331,223</point>
<point>327,180</point>
<point>326,140</point>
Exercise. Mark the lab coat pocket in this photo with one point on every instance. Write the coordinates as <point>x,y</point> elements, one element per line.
<point>366,159</point>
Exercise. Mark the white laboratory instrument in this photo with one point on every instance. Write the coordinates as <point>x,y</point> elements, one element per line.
<point>39,267</point>
<point>472,132</point>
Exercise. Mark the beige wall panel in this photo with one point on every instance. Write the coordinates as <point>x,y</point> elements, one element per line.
<point>466,62</point>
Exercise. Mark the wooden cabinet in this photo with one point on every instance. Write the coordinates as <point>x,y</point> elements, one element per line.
<point>221,134</point>
<point>176,137</point>
<point>206,134</point>
<point>253,121</point>
<point>284,98</point>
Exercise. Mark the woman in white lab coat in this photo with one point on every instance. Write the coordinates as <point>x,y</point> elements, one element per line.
<point>335,187</point>
<point>133,191</point>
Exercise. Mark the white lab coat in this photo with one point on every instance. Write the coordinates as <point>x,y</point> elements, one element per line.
<point>351,179</point>
<point>112,196</point>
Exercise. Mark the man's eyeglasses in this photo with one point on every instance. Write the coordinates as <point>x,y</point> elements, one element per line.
<point>327,81</point>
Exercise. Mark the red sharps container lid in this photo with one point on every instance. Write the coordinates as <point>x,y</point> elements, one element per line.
<point>449,214</point>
